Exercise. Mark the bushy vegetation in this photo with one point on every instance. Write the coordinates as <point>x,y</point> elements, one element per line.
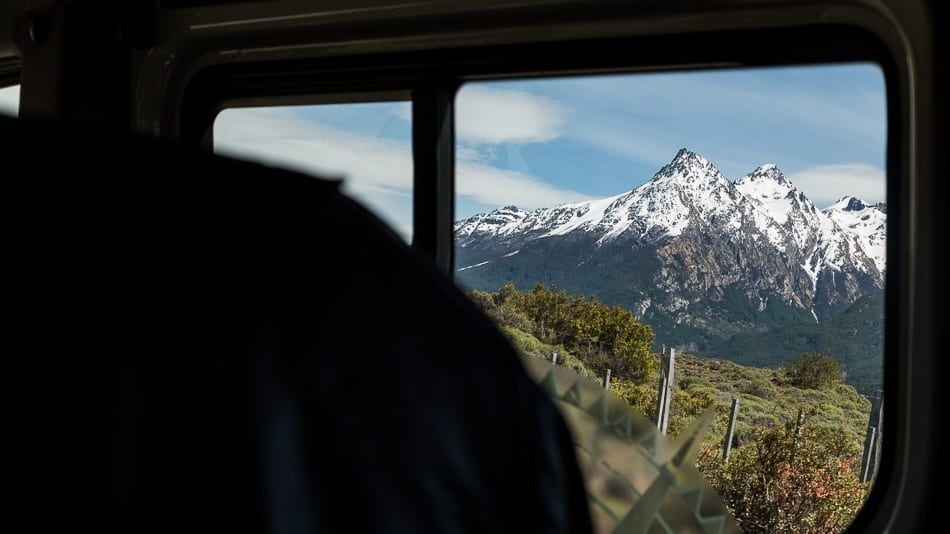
<point>602,337</point>
<point>814,370</point>
<point>529,345</point>
<point>791,479</point>
<point>781,476</point>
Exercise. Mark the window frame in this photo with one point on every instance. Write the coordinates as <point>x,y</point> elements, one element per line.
<point>432,77</point>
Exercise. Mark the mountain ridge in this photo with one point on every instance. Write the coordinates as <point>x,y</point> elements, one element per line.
<point>699,256</point>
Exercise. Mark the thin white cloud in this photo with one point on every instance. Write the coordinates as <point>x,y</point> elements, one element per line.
<point>487,116</point>
<point>737,119</point>
<point>277,136</point>
<point>824,184</point>
<point>479,153</point>
<point>494,116</point>
<point>498,187</point>
<point>376,171</point>
<point>633,141</point>
<point>10,100</point>
<point>728,96</point>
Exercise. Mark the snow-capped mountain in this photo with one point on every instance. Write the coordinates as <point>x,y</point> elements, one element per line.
<point>868,223</point>
<point>783,204</point>
<point>689,251</point>
<point>689,189</point>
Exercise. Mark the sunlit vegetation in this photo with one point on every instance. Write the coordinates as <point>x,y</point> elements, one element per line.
<point>600,336</point>
<point>781,476</point>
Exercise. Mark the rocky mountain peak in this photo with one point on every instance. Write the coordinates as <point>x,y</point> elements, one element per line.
<point>849,203</point>
<point>690,169</point>
<point>866,221</point>
<point>767,174</point>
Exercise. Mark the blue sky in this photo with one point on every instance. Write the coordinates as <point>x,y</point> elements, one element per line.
<point>9,100</point>
<point>541,142</point>
<point>825,127</point>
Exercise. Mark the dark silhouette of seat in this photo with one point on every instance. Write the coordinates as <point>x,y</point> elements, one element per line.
<point>200,344</point>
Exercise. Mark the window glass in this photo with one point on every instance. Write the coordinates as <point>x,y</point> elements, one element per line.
<point>736,217</point>
<point>10,101</point>
<point>367,145</point>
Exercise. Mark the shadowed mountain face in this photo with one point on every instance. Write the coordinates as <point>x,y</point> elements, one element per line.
<point>696,256</point>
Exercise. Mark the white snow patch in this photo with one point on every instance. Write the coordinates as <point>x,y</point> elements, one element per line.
<point>581,215</point>
<point>473,266</point>
<point>811,267</point>
<point>868,224</point>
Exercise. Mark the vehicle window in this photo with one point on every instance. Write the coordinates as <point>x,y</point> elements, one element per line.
<point>695,239</point>
<point>10,100</point>
<point>367,145</point>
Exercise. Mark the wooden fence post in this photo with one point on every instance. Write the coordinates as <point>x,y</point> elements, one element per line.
<point>660,399</point>
<point>798,433</point>
<point>727,444</point>
<point>866,457</point>
<point>665,389</point>
<point>872,440</point>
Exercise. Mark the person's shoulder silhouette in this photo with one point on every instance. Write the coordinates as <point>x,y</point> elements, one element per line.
<point>197,343</point>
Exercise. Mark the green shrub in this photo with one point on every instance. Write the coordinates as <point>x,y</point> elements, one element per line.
<point>814,370</point>
<point>783,481</point>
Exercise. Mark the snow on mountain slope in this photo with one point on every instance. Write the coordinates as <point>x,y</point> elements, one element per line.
<point>691,192</point>
<point>689,249</point>
<point>501,221</point>
<point>687,190</point>
<point>846,231</point>
<point>867,222</point>
<point>768,188</point>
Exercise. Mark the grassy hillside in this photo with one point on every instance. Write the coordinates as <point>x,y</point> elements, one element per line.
<point>543,322</point>
<point>781,476</point>
<point>765,486</point>
<point>766,396</point>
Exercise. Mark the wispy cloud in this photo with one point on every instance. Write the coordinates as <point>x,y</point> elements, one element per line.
<point>376,171</point>
<point>824,184</point>
<point>480,153</point>
<point>10,100</point>
<point>739,119</point>
<point>489,116</point>
<point>494,116</point>
<point>277,137</point>
<point>497,187</point>
<point>721,99</point>
<point>634,141</point>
